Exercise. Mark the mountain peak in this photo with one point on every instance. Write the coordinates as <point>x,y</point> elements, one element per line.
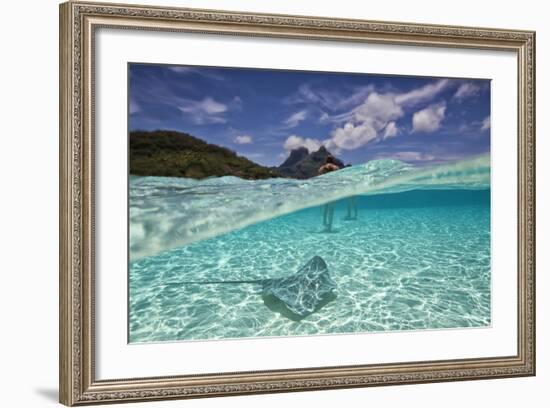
<point>302,164</point>
<point>295,156</point>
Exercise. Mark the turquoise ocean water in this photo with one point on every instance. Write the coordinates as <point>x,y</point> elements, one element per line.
<point>416,257</point>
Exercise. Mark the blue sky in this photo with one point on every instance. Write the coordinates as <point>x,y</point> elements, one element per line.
<point>263,114</point>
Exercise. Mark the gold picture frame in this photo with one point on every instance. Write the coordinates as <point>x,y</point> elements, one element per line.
<point>78,22</point>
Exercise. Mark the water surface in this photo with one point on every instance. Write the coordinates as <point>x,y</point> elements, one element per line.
<point>416,257</point>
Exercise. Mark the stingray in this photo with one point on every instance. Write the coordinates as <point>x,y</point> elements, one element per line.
<point>302,293</point>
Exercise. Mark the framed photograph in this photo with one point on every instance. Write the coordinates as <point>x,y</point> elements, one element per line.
<point>256,203</point>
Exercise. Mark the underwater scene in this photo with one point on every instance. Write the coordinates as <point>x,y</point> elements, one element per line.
<point>407,248</point>
<point>272,202</point>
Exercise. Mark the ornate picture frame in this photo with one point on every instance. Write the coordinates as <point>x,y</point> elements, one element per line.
<point>79,22</point>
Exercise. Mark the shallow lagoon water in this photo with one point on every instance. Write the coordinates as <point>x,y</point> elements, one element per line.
<point>412,260</point>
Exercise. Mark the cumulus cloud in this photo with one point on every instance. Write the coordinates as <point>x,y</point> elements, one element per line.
<point>212,107</point>
<point>295,119</point>
<point>243,139</point>
<point>466,90</point>
<point>486,123</point>
<point>367,122</point>
<point>429,119</point>
<point>390,130</point>
<point>351,137</point>
<point>376,117</point>
<point>295,141</point>
<point>378,109</point>
<point>205,111</point>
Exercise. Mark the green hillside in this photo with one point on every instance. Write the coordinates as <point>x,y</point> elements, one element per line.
<point>175,154</point>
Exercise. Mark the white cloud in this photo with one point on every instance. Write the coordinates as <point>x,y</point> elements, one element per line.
<point>206,111</point>
<point>476,127</point>
<point>390,130</point>
<point>351,137</point>
<point>429,119</point>
<point>294,142</point>
<point>486,123</point>
<point>307,95</point>
<point>466,90</point>
<point>376,118</point>
<point>134,107</point>
<point>243,139</point>
<point>358,96</point>
<point>330,100</point>
<point>422,94</point>
<point>378,109</point>
<point>294,119</point>
<point>210,106</point>
<point>367,122</point>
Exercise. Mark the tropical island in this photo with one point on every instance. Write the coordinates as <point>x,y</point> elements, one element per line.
<point>169,153</point>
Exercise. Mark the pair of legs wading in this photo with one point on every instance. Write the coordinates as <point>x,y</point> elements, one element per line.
<point>328,216</point>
